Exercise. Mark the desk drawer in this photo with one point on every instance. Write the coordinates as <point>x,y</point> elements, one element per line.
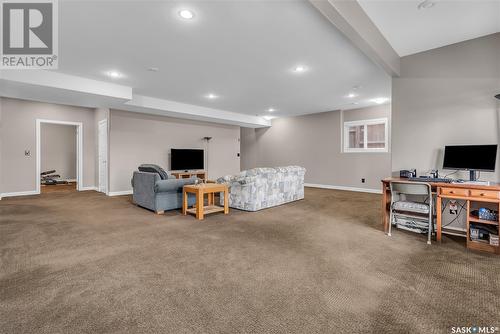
<point>455,192</point>
<point>484,193</point>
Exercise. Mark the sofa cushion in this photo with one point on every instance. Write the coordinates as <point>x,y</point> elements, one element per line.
<point>151,168</point>
<point>236,178</point>
<point>172,185</point>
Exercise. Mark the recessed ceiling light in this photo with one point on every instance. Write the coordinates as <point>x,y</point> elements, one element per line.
<point>426,4</point>
<point>186,14</point>
<point>211,96</point>
<point>271,110</point>
<point>114,74</point>
<point>153,69</point>
<point>299,69</point>
<point>380,100</point>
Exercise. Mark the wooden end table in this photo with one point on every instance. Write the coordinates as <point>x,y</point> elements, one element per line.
<point>200,210</point>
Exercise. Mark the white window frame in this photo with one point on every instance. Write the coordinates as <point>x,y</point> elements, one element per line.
<point>365,123</point>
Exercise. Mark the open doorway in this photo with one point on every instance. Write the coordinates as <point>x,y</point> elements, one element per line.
<point>58,156</point>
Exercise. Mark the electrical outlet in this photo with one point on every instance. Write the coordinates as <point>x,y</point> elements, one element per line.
<point>362,180</point>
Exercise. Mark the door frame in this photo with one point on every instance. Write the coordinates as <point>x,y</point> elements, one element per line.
<point>103,121</point>
<point>79,150</point>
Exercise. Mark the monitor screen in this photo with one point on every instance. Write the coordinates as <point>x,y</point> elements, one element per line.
<point>186,159</point>
<point>470,157</point>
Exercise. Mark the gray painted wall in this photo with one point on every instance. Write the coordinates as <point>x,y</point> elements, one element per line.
<point>445,97</point>
<point>18,134</point>
<point>58,149</point>
<point>139,138</point>
<point>314,142</point>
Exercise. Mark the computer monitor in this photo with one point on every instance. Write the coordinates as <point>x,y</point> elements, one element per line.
<point>470,157</point>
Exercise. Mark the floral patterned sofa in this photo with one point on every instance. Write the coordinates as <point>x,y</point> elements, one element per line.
<point>261,188</point>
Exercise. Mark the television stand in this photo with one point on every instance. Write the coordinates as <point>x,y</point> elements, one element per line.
<point>201,174</point>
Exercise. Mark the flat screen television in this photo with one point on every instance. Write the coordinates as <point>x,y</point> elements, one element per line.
<point>470,157</point>
<point>186,159</point>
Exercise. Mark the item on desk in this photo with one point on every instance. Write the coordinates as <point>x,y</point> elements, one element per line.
<point>481,233</point>
<point>429,179</point>
<point>407,173</point>
<point>486,214</point>
<point>474,233</point>
<point>494,240</point>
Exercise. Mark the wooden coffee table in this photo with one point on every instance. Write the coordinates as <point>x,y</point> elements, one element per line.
<point>200,210</point>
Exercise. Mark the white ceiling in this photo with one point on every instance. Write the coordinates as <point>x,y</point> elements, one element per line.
<point>243,51</point>
<point>411,30</point>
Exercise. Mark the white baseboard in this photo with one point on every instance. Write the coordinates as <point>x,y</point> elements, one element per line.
<point>88,188</point>
<point>120,193</point>
<point>34,192</point>
<point>327,186</point>
<point>19,193</point>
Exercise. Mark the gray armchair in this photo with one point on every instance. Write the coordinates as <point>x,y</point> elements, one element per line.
<point>153,193</point>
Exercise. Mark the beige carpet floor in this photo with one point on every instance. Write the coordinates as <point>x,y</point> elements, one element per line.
<point>87,263</point>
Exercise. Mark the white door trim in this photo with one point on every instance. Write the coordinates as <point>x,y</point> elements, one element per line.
<point>104,121</point>
<point>79,150</point>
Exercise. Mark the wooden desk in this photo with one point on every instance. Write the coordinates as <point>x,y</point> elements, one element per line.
<point>470,193</point>
<point>200,190</point>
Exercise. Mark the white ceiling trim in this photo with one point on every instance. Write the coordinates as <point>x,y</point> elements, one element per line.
<point>58,80</point>
<point>54,87</point>
<point>141,103</point>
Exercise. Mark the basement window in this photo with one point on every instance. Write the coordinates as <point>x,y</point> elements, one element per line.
<point>369,135</point>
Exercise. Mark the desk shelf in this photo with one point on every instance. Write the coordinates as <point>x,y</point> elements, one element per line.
<point>482,221</point>
<point>457,231</point>
<point>483,246</point>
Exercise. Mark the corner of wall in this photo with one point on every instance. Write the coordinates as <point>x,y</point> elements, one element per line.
<point>1,157</point>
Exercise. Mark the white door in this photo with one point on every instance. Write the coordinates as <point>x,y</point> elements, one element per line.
<point>103,156</point>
